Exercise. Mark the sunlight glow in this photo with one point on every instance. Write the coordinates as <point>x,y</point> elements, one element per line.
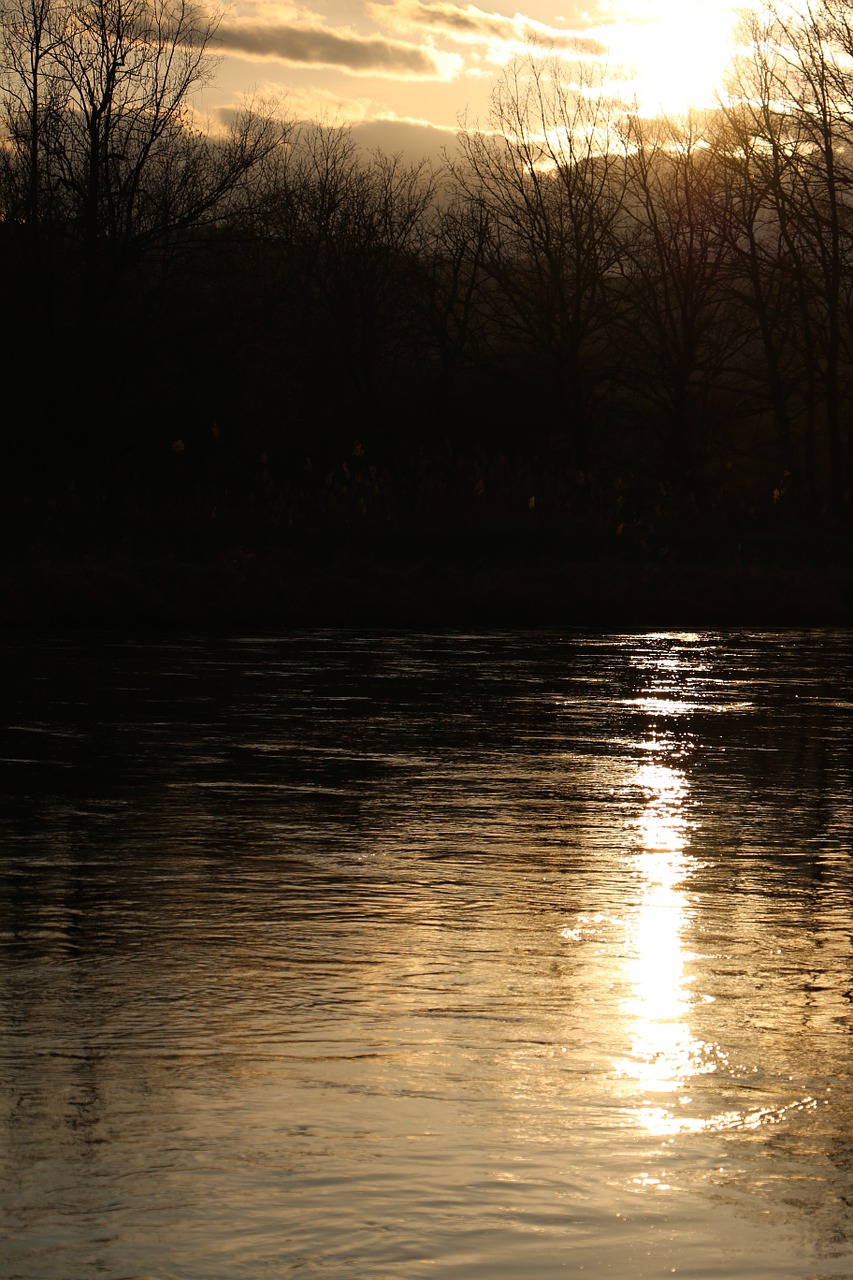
<point>676,51</point>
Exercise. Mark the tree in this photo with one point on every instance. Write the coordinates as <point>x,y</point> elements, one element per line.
<point>759,143</point>
<point>104,168</point>
<point>341,236</point>
<point>681,333</point>
<point>451,261</point>
<point>32,103</point>
<point>549,175</point>
<point>97,104</point>
<point>795,101</point>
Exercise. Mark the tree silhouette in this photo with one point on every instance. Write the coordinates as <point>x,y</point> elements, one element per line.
<point>550,177</point>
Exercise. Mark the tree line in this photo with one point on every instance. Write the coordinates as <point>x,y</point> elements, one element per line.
<point>585,319</point>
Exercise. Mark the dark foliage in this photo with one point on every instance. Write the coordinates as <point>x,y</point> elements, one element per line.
<point>635,338</point>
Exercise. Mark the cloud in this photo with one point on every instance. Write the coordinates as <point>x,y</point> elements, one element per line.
<point>308,102</point>
<point>317,46</point>
<point>414,139</point>
<point>469,24</point>
<point>374,126</point>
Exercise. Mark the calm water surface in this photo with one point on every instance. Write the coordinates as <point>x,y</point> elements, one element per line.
<point>402,956</point>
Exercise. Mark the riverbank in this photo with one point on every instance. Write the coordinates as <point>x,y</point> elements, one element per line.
<point>362,588</point>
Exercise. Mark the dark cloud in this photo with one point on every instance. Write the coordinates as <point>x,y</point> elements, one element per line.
<point>469,23</point>
<point>415,139</point>
<point>318,47</point>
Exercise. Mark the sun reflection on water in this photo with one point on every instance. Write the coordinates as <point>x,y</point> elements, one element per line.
<point>673,1077</point>
<point>663,1055</point>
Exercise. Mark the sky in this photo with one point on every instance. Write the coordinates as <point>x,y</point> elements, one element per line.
<point>405,72</point>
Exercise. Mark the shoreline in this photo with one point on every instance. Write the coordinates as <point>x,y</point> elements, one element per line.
<point>375,591</point>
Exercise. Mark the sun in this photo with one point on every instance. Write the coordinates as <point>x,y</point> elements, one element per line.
<point>675,52</point>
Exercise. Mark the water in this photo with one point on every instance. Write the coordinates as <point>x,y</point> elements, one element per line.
<point>402,956</point>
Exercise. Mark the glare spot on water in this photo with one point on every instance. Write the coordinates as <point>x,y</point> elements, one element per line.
<point>663,1052</point>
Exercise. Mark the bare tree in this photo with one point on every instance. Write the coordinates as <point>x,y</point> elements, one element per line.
<point>548,172</point>
<point>452,263</point>
<point>760,144</point>
<point>97,97</point>
<point>345,233</point>
<point>33,100</point>
<point>794,104</point>
<point>675,300</point>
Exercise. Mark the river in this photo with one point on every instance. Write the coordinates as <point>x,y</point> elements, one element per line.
<point>395,956</point>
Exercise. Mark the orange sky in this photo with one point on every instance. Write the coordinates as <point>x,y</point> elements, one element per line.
<point>405,71</point>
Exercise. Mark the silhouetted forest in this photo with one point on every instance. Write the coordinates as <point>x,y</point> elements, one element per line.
<point>587,330</point>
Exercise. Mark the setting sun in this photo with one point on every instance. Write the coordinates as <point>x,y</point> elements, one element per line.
<point>674,52</point>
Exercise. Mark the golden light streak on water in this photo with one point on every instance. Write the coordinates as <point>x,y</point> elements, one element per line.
<point>664,1055</point>
<point>658,1075</point>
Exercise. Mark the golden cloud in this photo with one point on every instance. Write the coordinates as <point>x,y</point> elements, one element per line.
<point>471,25</point>
<point>345,51</point>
